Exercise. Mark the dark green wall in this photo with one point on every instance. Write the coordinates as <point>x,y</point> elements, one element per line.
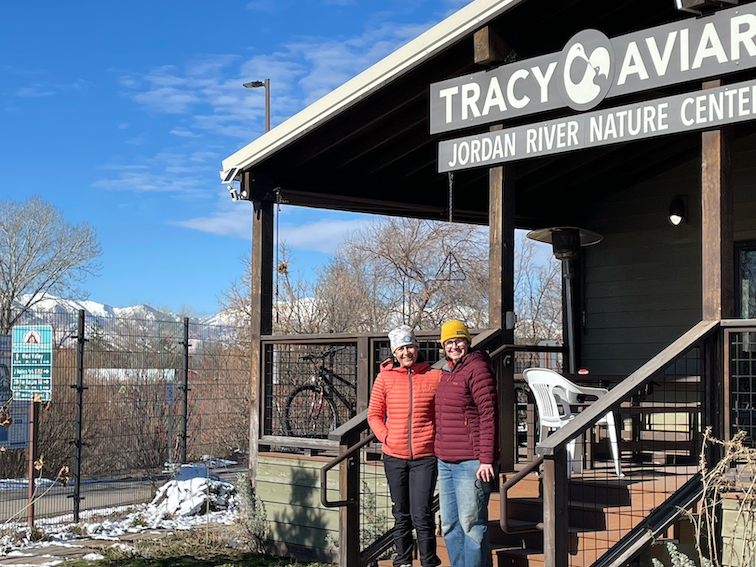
<point>642,284</point>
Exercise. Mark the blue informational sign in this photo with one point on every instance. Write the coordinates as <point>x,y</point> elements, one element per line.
<point>31,365</point>
<point>16,434</point>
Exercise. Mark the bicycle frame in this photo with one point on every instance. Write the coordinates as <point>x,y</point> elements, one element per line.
<point>325,376</point>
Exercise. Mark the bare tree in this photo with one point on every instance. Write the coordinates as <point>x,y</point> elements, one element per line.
<point>423,272</point>
<point>538,295</point>
<point>410,271</point>
<point>41,253</point>
<point>295,309</point>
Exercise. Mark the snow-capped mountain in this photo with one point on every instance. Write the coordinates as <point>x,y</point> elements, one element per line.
<point>117,326</point>
<point>94,310</point>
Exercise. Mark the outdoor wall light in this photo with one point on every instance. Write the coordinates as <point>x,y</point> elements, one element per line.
<point>700,7</point>
<point>677,210</point>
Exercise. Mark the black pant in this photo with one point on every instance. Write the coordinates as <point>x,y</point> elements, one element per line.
<point>411,484</point>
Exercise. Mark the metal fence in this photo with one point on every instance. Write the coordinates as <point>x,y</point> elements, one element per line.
<point>131,399</point>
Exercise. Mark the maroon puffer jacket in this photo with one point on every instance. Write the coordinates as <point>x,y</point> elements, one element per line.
<point>467,411</point>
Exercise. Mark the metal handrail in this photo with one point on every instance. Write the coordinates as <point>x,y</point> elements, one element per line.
<point>504,501</point>
<point>634,382</point>
<point>324,473</point>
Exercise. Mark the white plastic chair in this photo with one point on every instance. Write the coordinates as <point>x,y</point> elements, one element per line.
<point>550,390</point>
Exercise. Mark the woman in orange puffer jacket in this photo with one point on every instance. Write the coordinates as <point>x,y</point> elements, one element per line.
<point>401,415</point>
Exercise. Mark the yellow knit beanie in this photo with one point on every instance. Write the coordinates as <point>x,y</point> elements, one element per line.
<point>453,329</point>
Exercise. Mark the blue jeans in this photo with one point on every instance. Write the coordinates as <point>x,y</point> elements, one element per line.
<point>464,514</point>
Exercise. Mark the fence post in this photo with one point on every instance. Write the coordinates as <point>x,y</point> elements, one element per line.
<point>32,456</point>
<point>79,387</point>
<point>556,520</point>
<point>185,391</point>
<point>349,516</point>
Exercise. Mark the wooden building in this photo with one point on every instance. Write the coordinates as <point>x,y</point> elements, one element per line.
<point>661,310</point>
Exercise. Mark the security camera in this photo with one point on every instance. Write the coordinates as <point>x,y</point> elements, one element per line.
<point>234,196</point>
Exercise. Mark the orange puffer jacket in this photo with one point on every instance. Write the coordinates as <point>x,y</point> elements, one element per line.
<point>402,408</point>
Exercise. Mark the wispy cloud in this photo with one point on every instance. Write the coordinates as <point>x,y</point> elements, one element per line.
<point>235,220</point>
<point>321,236</point>
<point>206,95</point>
<point>208,88</point>
<point>33,92</point>
<point>183,133</point>
<point>43,89</point>
<point>170,171</point>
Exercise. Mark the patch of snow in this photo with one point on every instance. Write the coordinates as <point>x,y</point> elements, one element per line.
<point>180,504</point>
<point>16,483</point>
<point>93,557</point>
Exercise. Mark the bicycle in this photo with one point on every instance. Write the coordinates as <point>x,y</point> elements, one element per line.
<point>311,408</point>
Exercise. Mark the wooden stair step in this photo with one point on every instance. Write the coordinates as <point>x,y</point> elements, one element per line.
<point>519,557</point>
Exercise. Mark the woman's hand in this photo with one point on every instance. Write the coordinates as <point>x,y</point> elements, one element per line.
<point>485,472</point>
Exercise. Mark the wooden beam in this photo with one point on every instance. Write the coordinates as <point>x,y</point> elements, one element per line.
<point>556,521</point>
<point>716,222</point>
<point>490,48</point>
<point>261,319</point>
<point>501,226</point>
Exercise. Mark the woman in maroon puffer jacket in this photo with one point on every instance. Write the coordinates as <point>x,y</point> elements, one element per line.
<point>466,446</point>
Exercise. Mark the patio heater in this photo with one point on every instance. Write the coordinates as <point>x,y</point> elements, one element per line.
<point>566,242</point>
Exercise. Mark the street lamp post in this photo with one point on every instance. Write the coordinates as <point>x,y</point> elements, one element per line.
<point>266,85</point>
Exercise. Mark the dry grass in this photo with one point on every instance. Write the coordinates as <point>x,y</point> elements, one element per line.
<point>195,548</point>
<point>732,478</point>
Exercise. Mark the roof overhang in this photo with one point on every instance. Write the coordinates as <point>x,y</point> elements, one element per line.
<point>367,146</point>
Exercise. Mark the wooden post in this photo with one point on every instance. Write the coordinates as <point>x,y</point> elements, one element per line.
<point>501,223</point>
<point>261,316</point>
<point>489,48</point>
<point>716,222</point>
<point>349,516</point>
<point>556,522</point>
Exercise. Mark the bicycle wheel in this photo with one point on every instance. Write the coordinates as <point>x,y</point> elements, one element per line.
<point>309,413</point>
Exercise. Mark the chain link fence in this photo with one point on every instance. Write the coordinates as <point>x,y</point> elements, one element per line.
<point>131,400</point>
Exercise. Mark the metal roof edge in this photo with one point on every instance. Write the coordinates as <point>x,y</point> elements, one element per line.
<point>406,57</point>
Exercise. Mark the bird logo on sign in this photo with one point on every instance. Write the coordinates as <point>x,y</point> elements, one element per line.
<point>586,69</point>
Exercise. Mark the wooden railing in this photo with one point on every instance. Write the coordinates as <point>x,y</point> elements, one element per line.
<point>630,396</point>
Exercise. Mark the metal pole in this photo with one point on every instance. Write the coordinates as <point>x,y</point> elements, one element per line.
<point>569,276</point>
<point>185,390</point>
<point>79,416</point>
<point>267,105</point>
<point>31,452</point>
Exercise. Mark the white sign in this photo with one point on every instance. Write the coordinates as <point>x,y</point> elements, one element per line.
<point>701,110</point>
<point>591,68</point>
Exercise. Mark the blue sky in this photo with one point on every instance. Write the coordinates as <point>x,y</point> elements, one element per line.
<point>120,113</point>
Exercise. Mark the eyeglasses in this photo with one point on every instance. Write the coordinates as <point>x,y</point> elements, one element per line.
<point>406,347</point>
<point>455,342</point>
